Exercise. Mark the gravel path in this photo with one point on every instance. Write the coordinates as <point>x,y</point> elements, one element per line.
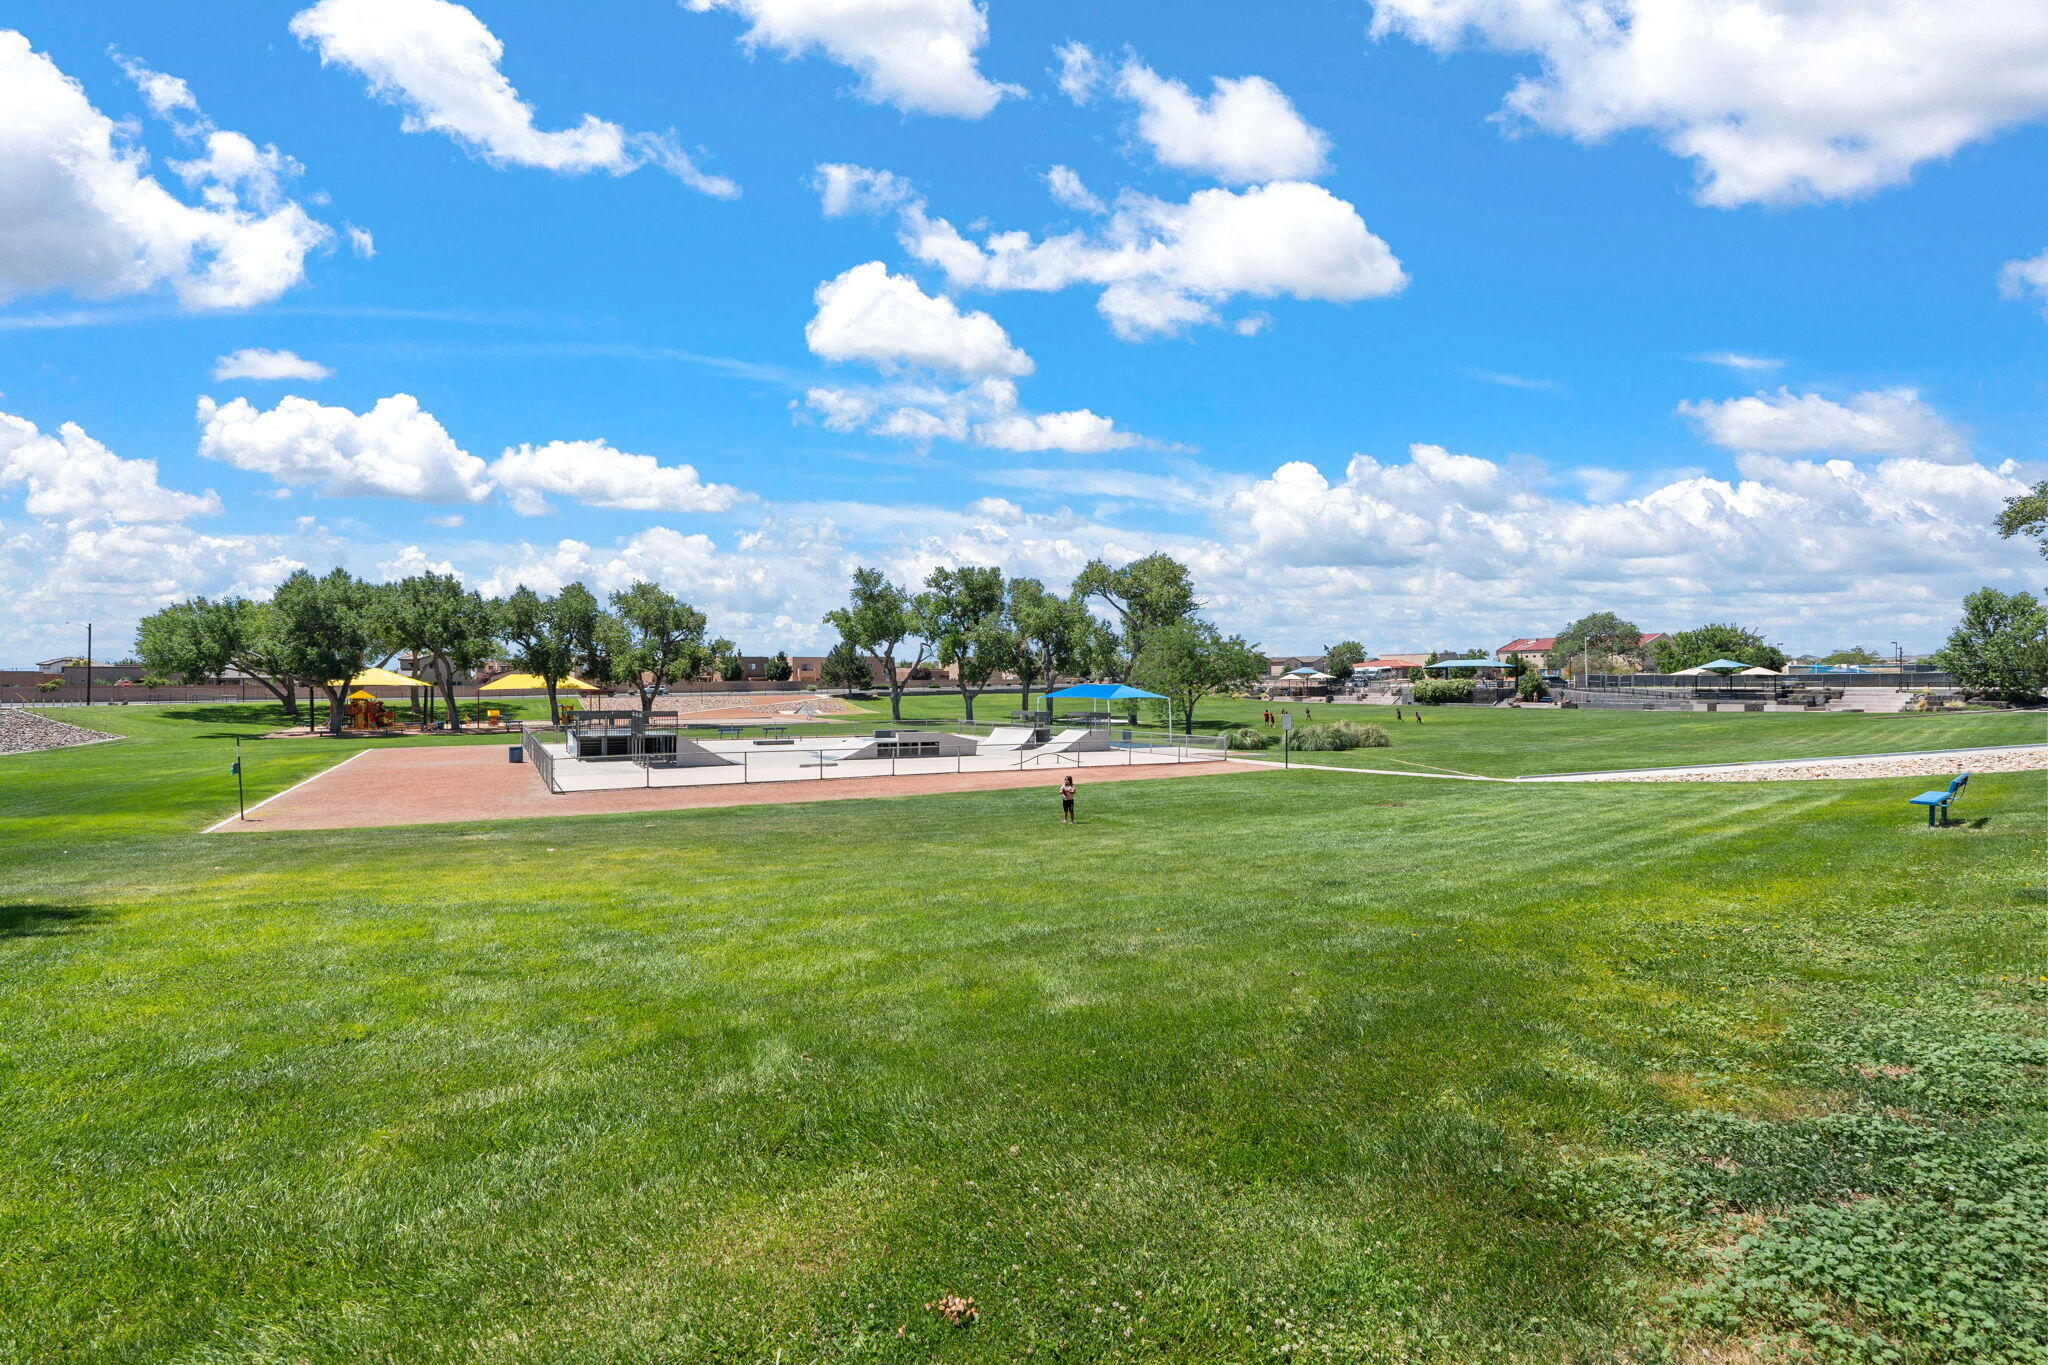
<point>2013,760</point>
<point>25,732</point>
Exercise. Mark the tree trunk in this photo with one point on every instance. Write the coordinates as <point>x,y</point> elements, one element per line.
<point>966,700</point>
<point>448,691</point>
<point>286,695</point>
<point>554,711</point>
<point>895,686</point>
<point>337,712</point>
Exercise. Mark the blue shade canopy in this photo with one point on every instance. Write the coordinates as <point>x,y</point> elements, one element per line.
<point>1724,663</point>
<point>1104,692</point>
<point>1302,672</point>
<point>1474,663</point>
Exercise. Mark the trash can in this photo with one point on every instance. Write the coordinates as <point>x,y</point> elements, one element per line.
<point>516,754</point>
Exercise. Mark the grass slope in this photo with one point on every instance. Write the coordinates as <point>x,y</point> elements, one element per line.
<point>1501,742</point>
<point>1288,1064</point>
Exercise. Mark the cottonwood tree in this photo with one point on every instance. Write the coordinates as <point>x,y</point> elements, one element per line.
<point>328,630</point>
<point>1050,634</point>
<point>535,641</point>
<point>877,618</point>
<point>597,642</point>
<point>199,640</point>
<point>2000,648</point>
<point>1704,644</point>
<point>1190,659</point>
<point>664,639</point>
<point>432,615</point>
<point>1602,633</point>
<point>1342,659</point>
<point>2027,515</point>
<point>962,613</point>
<point>1145,596</point>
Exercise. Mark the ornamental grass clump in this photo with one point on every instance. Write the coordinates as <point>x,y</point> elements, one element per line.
<point>1243,737</point>
<point>1339,735</point>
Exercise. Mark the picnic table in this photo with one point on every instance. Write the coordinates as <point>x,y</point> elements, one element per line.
<point>775,729</point>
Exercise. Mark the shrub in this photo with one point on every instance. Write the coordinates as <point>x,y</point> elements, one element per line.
<point>1437,691</point>
<point>1339,735</point>
<point>49,685</point>
<point>1530,686</point>
<point>1243,737</point>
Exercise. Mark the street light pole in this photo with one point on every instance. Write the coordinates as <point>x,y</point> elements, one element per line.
<point>88,663</point>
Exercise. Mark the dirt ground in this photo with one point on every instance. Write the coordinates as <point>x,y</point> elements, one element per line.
<point>382,787</point>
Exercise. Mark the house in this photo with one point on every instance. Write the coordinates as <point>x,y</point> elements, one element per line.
<point>808,668</point>
<point>1392,665</point>
<point>1536,646</point>
<point>1278,664</point>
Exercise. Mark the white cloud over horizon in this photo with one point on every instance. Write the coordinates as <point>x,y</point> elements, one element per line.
<point>1886,422</point>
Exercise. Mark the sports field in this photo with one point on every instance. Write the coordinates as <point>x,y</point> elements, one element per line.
<point>1287,1065</point>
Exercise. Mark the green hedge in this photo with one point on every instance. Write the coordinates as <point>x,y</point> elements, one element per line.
<point>1437,691</point>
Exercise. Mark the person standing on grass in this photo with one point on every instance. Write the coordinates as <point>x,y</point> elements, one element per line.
<point>1067,799</point>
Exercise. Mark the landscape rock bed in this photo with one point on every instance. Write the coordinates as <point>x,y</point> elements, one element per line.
<point>25,732</point>
<point>1933,765</point>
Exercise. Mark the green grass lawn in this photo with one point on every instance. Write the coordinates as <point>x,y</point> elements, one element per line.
<point>1297,1066</point>
<point>1501,742</point>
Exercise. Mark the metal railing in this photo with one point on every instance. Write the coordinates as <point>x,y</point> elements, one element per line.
<point>537,754</point>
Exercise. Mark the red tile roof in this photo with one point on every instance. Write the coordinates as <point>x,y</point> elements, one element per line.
<point>1528,645</point>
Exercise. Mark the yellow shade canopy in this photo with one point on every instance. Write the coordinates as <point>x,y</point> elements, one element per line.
<point>382,677</point>
<point>361,696</point>
<point>534,682</point>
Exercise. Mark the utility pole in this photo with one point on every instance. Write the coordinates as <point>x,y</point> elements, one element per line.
<point>88,663</point>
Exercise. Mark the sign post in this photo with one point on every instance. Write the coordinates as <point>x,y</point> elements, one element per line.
<point>241,799</point>
<point>1286,730</point>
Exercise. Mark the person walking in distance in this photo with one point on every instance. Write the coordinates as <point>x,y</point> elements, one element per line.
<point>1067,799</point>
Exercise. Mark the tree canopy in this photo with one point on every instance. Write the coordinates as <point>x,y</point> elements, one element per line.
<point>1602,635</point>
<point>2000,647</point>
<point>1704,644</point>
<point>877,618</point>
<point>664,639</point>
<point>1145,596</point>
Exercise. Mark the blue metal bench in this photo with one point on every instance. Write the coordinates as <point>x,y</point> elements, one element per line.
<point>1938,802</point>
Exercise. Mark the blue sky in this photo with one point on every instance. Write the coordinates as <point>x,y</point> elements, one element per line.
<point>1444,328</point>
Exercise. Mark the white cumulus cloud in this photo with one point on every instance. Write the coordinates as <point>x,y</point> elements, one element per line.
<point>439,62</point>
<point>598,475</point>
<point>1246,132</point>
<point>74,480</point>
<point>2018,279</point>
<point>918,55</point>
<point>395,450</point>
<point>1066,187</point>
<point>1164,266</point>
<point>1884,422</point>
<point>869,315</point>
<point>1081,72</point>
<point>79,212</point>
<point>255,362</point>
<point>1775,101</point>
